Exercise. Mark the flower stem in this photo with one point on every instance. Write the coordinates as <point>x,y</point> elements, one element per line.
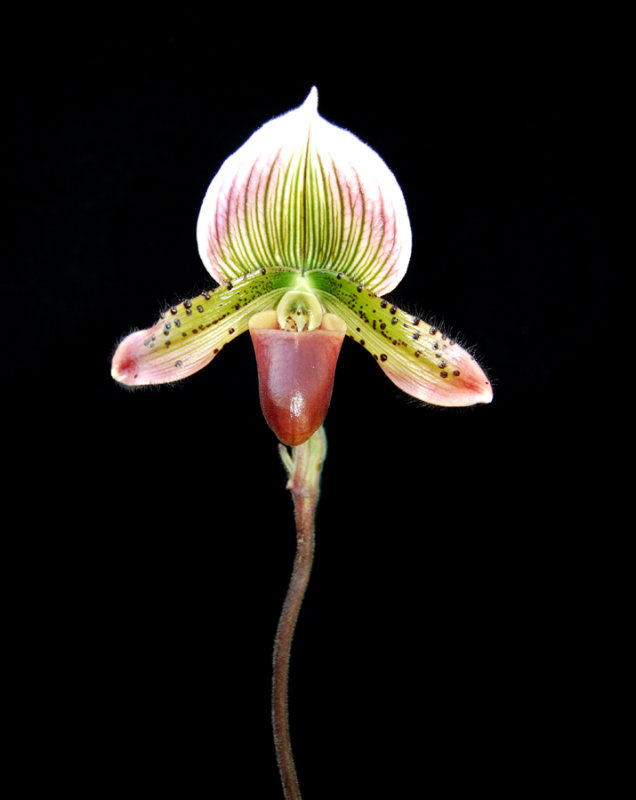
<point>304,467</point>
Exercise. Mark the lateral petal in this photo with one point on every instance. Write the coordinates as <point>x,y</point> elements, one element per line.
<point>304,193</point>
<point>415,355</point>
<point>189,335</point>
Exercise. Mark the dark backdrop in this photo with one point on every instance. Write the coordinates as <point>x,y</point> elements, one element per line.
<point>149,535</point>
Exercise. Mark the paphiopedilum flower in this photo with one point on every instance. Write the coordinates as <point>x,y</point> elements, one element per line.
<point>304,229</point>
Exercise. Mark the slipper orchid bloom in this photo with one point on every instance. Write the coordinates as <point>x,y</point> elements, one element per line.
<point>305,229</point>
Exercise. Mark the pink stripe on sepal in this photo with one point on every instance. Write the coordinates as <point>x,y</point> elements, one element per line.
<point>295,376</point>
<point>304,193</point>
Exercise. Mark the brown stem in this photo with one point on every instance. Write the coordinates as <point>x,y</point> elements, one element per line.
<point>304,467</point>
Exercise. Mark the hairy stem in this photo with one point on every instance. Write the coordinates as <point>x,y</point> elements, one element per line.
<point>304,467</point>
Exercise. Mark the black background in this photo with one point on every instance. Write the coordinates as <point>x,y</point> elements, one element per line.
<point>442,642</point>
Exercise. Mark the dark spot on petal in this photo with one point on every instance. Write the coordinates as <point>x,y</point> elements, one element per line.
<point>436,346</point>
<point>177,322</point>
<point>418,353</point>
<point>443,374</point>
<point>416,335</point>
<point>433,331</point>
<point>383,357</point>
<point>362,342</point>
<point>263,271</point>
<point>456,373</point>
<point>216,350</point>
<point>200,309</point>
<point>231,330</point>
<point>178,363</point>
<point>416,320</point>
<point>383,304</point>
<point>173,309</point>
<point>394,321</point>
<point>393,309</point>
<point>206,295</point>
<point>229,285</point>
<point>382,326</point>
<point>187,303</point>
<point>359,287</point>
<point>442,364</point>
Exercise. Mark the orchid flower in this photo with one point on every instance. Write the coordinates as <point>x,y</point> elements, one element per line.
<point>305,229</point>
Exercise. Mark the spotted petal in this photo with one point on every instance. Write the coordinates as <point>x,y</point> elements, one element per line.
<point>305,194</point>
<point>415,355</point>
<point>189,335</point>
